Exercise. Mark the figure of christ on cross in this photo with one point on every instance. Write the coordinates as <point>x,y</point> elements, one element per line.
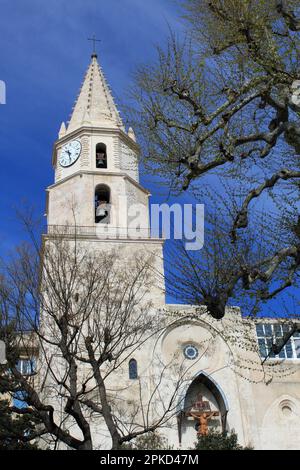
<point>203,419</point>
<point>201,412</point>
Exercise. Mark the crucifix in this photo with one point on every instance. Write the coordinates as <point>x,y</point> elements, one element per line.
<point>202,413</point>
<point>94,39</point>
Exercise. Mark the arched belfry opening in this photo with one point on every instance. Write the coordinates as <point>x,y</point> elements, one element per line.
<point>202,407</point>
<point>101,156</point>
<point>102,204</point>
<point>132,369</point>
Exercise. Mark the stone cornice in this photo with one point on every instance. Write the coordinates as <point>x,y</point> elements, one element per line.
<point>97,173</point>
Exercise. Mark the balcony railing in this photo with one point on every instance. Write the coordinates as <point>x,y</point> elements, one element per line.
<point>100,231</point>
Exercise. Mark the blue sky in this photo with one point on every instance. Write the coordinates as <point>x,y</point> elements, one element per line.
<point>44,55</point>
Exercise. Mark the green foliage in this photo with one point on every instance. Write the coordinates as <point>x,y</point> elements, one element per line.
<point>149,441</point>
<point>15,429</point>
<point>216,440</point>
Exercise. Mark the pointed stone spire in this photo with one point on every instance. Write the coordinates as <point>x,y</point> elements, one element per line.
<point>62,130</point>
<point>95,103</point>
<point>131,134</point>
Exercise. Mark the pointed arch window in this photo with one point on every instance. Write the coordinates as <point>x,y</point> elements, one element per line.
<point>102,204</point>
<point>132,369</point>
<point>101,156</point>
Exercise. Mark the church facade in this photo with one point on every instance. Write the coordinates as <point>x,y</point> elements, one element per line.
<point>230,380</point>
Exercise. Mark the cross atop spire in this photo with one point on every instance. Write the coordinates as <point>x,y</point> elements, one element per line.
<point>95,106</point>
<point>94,39</point>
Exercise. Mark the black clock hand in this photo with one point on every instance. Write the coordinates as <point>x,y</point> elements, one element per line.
<point>69,153</point>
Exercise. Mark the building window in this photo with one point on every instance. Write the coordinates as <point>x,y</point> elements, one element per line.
<point>190,352</point>
<point>26,366</point>
<point>270,333</point>
<point>102,204</point>
<point>101,156</point>
<point>19,399</point>
<point>132,366</point>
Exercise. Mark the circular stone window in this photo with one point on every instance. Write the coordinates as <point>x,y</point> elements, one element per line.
<point>190,351</point>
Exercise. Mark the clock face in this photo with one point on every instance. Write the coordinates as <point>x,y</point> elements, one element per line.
<point>70,153</point>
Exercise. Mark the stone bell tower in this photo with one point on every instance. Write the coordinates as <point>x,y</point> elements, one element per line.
<point>96,193</point>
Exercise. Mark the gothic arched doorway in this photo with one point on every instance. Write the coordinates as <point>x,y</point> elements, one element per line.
<point>202,407</point>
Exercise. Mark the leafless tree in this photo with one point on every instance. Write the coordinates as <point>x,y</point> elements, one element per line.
<point>223,106</point>
<point>88,312</point>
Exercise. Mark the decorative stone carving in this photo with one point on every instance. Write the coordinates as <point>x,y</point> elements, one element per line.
<point>85,149</point>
